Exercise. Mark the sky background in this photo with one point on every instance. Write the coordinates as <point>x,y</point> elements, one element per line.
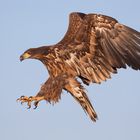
<point>32,23</point>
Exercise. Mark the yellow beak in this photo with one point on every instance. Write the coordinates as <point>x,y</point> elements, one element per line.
<point>24,56</point>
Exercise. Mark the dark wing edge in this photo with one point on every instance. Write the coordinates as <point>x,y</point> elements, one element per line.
<point>120,45</point>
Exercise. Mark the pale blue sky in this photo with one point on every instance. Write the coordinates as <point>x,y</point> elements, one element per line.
<point>32,23</point>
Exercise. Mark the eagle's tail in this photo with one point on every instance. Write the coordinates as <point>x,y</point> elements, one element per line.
<point>77,91</point>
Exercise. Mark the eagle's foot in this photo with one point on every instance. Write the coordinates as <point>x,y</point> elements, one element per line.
<point>29,100</point>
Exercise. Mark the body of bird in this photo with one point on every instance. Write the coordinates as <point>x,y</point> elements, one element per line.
<point>94,47</point>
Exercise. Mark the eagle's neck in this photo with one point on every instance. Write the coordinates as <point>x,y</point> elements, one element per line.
<point>54,62</point>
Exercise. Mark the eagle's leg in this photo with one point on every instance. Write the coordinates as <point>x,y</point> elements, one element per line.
<point>30,99</point>
<point>50,91</point>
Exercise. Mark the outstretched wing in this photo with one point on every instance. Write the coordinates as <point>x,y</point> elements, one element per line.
<point>75,21</point>
<point>100,46</point>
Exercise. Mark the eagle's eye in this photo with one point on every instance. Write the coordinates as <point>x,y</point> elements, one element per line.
<point>28,52</point>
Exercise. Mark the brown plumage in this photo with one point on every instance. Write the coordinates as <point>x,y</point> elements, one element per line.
<point>94,47</point>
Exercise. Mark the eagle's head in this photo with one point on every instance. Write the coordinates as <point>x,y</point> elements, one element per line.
<point>35,53</point>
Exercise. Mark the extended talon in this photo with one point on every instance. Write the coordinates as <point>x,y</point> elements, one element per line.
<point>22,102</point>
<point>29,105</point>
<point>36,100</point>
<point>30,97</point>
<point>24,99</point>
<point>20,98</point>
<point>36,104</point>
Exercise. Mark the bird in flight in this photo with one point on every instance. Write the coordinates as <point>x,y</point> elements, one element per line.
<point>93,48</point>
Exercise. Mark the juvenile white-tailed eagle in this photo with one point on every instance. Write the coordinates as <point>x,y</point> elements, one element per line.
<point>94,47</point>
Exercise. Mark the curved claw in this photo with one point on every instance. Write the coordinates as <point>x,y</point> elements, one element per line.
<point>21,97</point>
<point>35,107</point>
<point>30,99</point>
<point>36,104</point>
<point>29,104</point>
<point>28,107</point>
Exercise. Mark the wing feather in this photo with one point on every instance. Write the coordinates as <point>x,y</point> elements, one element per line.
<point>122,49</point>
<point>75,21</point>
<point>100,45</point>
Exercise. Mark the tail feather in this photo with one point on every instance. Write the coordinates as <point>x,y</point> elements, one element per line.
<point>84,101</point>
<point>78,92</point>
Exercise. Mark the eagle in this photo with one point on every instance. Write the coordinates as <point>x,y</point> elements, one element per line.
<point>94,47</point>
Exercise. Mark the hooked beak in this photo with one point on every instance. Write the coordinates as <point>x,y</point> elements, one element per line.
<point>24,56</point>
